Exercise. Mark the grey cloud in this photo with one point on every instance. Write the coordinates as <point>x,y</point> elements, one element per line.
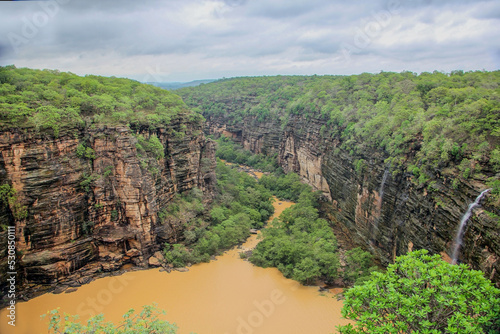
<point>280,9</point>
<point>262,31</point>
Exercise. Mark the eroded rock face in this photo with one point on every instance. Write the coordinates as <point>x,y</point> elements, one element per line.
<point>376,206</point>
<point>94,214</point>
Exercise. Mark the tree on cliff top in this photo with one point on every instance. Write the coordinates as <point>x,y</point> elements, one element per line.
<point>420,293</point>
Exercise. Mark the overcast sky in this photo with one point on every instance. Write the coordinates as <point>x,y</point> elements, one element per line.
<point>183,40</point>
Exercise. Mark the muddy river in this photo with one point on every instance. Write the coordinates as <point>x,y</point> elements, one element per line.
<point>227,295</point>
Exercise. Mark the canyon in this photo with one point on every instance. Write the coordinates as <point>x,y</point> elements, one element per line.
<point>378,208</point>
<point>88,197</point>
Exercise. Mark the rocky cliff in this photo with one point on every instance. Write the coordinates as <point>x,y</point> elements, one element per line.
<point>375,205</point>
<point>91,196</point>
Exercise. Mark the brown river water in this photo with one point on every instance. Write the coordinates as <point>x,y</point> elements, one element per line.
<point>226,296</point>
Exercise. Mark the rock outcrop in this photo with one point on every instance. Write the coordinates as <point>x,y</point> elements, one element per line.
<point>375,205</point>
<point>97,210</point>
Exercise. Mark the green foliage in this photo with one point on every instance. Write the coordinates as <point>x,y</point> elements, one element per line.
<point>232,152</point>
<point>6,193</point>
<point>8,197</point>
<point>360,166</point>
<point>241,203</point>
<point>85,152</point>
<point>152,145</point>
<point>108,171</point>
<point>148,321</point>
<point>429,120</point>
<point>53,101</point>
<point>178,255</point>
<point>156,147</point>
<point>302,246</point>
<point>87,181</point>
<point>286,186</point>
<point>420,293</point>
<point>495,157</point>
<point>358,266</point>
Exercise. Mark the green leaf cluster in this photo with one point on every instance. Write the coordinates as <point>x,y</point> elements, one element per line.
<point>151,144</point>
<point>358,266</point>
<point>420,293</point>
<point>85,152</point>
<point>8,197</point>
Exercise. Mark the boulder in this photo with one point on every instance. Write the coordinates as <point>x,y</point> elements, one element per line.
<point>159,256</point>
<point>154,262</point>
<point>133,252</point>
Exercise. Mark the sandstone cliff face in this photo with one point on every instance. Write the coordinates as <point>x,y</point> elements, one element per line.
<point>376,206</point>
<point>95,214</point>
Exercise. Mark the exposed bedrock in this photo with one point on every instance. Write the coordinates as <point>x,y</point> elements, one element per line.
<point>94,213</point>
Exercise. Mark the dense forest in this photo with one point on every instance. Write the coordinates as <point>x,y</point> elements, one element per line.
<point>423,123</point>
<point>50,100</point>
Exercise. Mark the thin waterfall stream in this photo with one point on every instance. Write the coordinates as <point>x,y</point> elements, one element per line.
<point>463,223</point>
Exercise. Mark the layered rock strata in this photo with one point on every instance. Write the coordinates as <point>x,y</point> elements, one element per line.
<point>96,211</point>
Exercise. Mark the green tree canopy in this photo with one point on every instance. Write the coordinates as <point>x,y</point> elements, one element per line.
<point>51,101</point>
<point>420,293</point>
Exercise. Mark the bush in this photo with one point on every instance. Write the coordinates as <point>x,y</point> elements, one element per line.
<point>420,293</point>
<point>302,246</point>
<point>358,266</point>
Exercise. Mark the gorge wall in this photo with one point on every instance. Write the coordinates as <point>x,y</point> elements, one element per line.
<point>97,210</point>
<point>375,206</point>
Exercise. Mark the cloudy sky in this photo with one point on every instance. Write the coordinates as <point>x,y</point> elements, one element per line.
<point>183,40</point>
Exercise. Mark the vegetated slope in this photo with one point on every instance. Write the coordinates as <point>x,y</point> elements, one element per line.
<point>177,85</point>
<point>400,155</point>
<point>431,120</point>
<point>86,166</point>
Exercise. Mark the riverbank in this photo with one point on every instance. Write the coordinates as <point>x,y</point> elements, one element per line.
<point>228,295</point>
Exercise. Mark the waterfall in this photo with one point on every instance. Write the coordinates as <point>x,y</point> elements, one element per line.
<point>463,224</point>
